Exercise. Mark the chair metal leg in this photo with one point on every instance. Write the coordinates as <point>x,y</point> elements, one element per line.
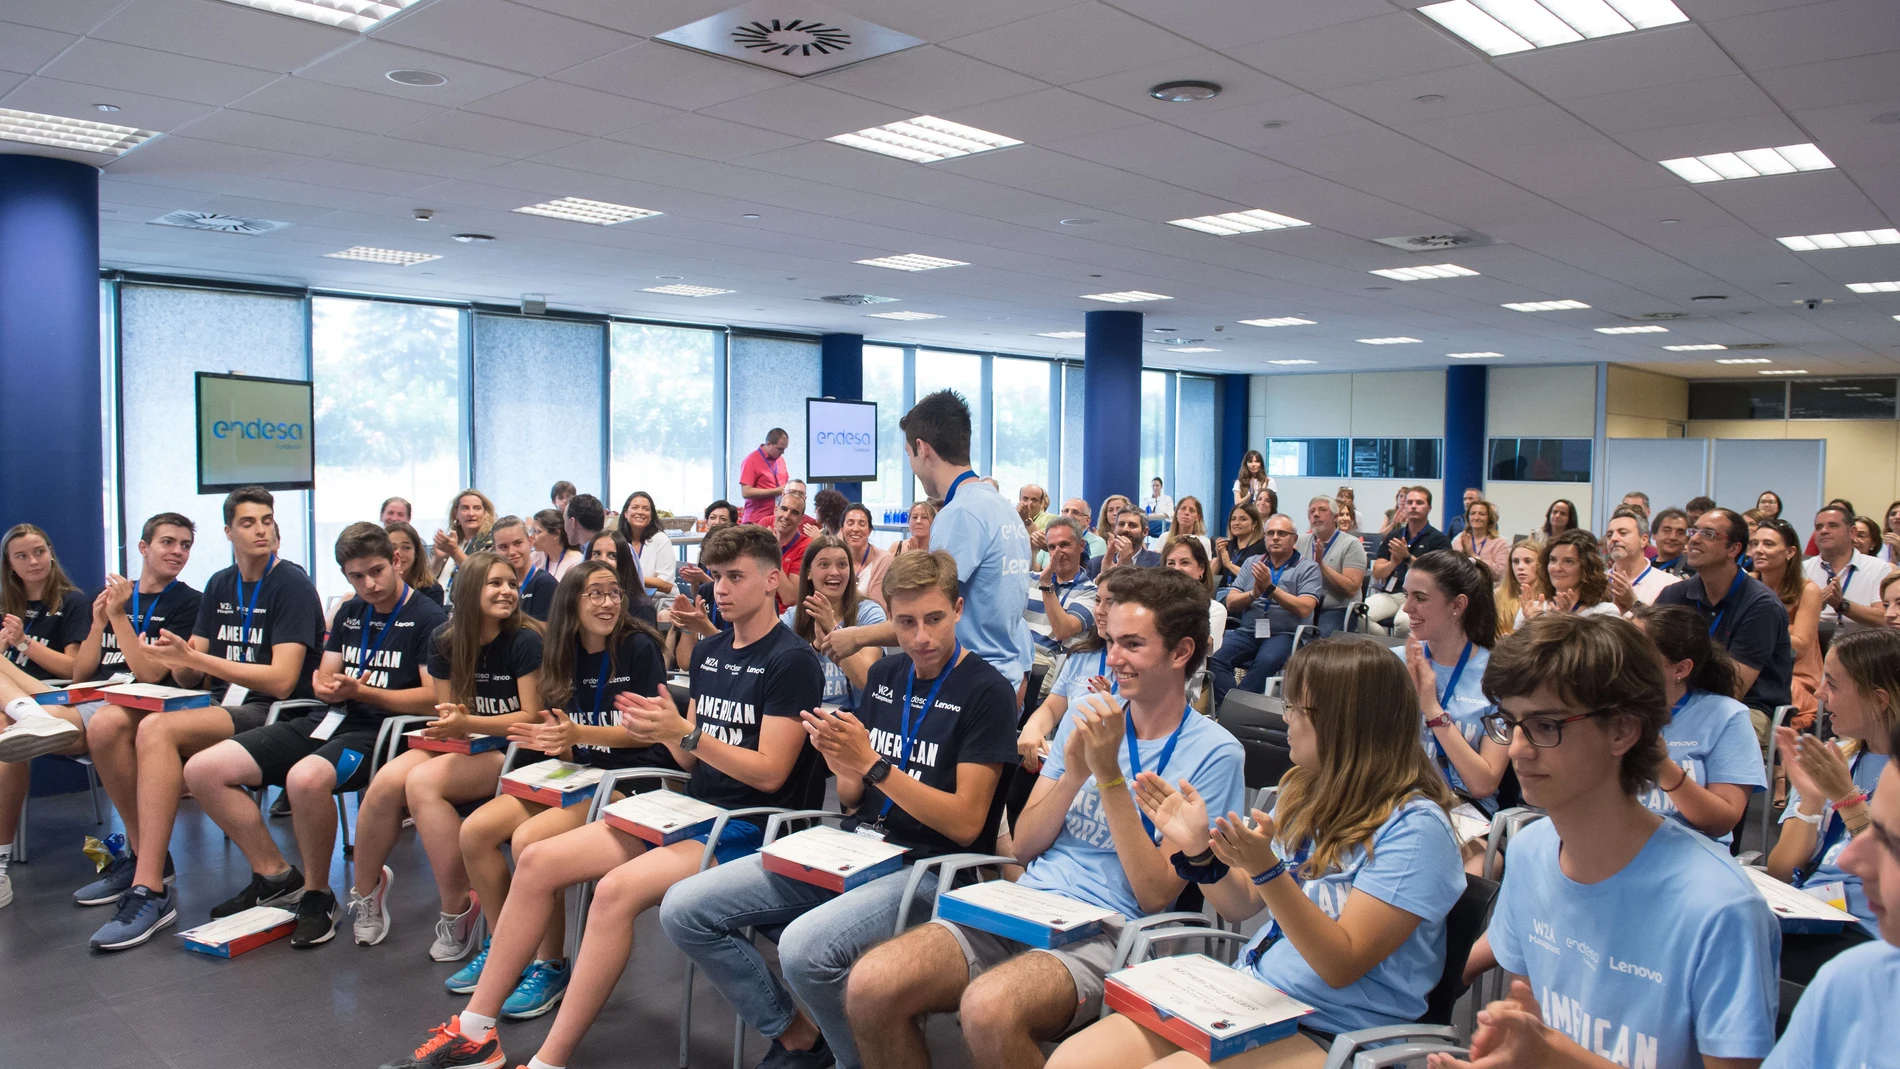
<point>92,782</point>
<point>19,833</point>
<point>738,1041</point>
<point>686,1016</point>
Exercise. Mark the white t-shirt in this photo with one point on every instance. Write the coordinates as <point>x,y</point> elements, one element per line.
<point>1862,587</point>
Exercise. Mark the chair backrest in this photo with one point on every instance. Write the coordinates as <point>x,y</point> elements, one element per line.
<point>1463,925</point>
<point>1257,721</point>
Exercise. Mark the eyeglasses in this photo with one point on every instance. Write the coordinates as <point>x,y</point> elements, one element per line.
<point>602,597</point>
<point>1709,533</point>
<point>1291,711</point>
<point>1542,731</point>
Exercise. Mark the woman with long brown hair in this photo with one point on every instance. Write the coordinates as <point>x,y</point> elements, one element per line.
<point>46,617</point>
<point>1570,578</point>
<point>550,541</point>
<point>1709,761</point>
<point>1775,548</point>
<point>1518,585</point>
<point>1251,478</point>
<point>412,563</point>
<point>1189,522</point>
<point>828,598</point>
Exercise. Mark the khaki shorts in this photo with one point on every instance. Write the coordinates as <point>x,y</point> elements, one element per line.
<point>1087,960</point>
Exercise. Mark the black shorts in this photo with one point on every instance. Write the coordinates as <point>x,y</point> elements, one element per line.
<point>248,717</point>
<point>276,747</point>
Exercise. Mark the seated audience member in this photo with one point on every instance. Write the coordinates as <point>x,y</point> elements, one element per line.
<point>1082,671</point>
<point>1453,627</point>
<point>611,548</point>
<point>1867,536</point>
<point>1670,529</point>
<point>1746,618</point>
<point>696,614</point>
<point>1694,508</point>
<point>1518,585</point>
<point>1458,524</point>
<point>1890,598</point>
<point>1561,516</point>
<point>1570,579</point>
<point>788,527</point>
<point>1849,579</point>
<point>1234,553</point>
<point>741,739</point>
<point>46,617</point>
<point>1342,564</point>
<point>1480,540</point>
<point>412,563</point>
<point>1128,548</point>
<point>1032,504</point>
<point>659,562</point>
<point>1638,500</point>
<point>1680,961</point>
<point>1708,762</point>
<point>1061,610</point>
<point>828,506</point>
<point>1409,536</point>
<point>1769,504</point>
<point>373,665</point>
<point>1181,556</point>
<point>1633,579</point>
<point>556,553</point>
<point>1080,835</point>
<point>1284,595</point>
<point>1188,521</point>
<point>1348,513</point>
<point>250,649</point>
<point>1845,1017</point>
<point>1266,501</point>
<point>32,730</point>
<point>929,785</point>
<point>868,562</point>
<point>1357,866</point>
<point>508,539</point>
<point>1112,507</point>
<point>471,515</point>
<point>1890,534</point>
<point>1833,780</point>
<point>485,668</point>
<point>918,519</point>
<point>395,510</point>
<point>1252,477</point>
<point>1775,550</point>
<point>1753,518</point>
<point>562,493</point>
<point>1078,510</point>
<point>828,599</point>
<point>586,517</point>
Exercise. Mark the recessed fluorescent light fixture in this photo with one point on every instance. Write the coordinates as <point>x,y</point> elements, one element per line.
<point>1282,321</point>
<point>1846,239</point>
<point>1746,360</point>
<point>1247,222</point>
<point>581,210</point>
<point>1419,274</point>
<point>1694,348</point>
<point>913,261</point>
<point>1472,356</point>
<point>1063,334</point>
<point>1874,287</point>
<point>678,289</point>
<point>371,254</point>
<point>1388,341</point>
<point>1545,306</point>
<point>1501,27</point>
<point>1784,371</point>
<point>1749,163</point>
<point>358,15</point>
<point>1126,297</point>
<point>925,139</point>
<point>56,131</point>
<point>907,317</point>
<point>1192,349</point>
<point>1633,330</point>
<point>1284,363</point>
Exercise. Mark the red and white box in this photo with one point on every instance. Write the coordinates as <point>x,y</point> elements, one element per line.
<point>77,694</point>
<point>1203,1006</point>
<point>1798,910</point>
<point>662,817</point>
<point>240,932</point>
<point>152,698</point>
<point>551,782</point>
<point>833,859</point>
<point>470,745</point>
<point>1041,919</point>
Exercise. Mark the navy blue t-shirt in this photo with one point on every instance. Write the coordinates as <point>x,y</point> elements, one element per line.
<point>383,653</point>
<point>173,609</point>
<point>636,667</point>
<point>285,611</point>
<point>499,667</point>
<point>537,595</point>
<point>57,627</point>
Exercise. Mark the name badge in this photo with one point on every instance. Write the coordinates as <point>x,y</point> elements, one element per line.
<point>236,695</point>
<point>1263,628</point>
<point>876,834</point>
<point>331,721</point>
<point>1834,894</point>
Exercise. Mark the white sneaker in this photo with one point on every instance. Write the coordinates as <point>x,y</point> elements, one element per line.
<point>371,912</point>
<point>6,888</point>
<point>458,933</point>
<point>32,736</point>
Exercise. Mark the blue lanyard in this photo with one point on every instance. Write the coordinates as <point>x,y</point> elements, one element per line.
<point>1101,669</point>
<point>1727,600</point>
<point>1680,702</point>
<point>252,604</point>
<point>1457,671</point>
<point>600,681</point>
<point>1329,546</point>
<point>526,579</point>
<point>1134,749</point>
<point>389,624</point>
<point>1647,568</point>
<point>1273,574</point>
<point>1844,581</point>
<point>1413,542</point>
<point>1063,596</point>
<point>950,494</point>
<point>139,620</point>
<point>930,702</point>
<point>1293,866</point>
<point>1836,827</point>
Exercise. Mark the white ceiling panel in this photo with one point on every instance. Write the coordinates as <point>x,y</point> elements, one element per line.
<point>570,107</point>
<point>115,66</point>
<point>1075,43</point>
<point>806,110</point>
<point>1222,24</point>
<point>25,49</point>
<point>1847,81</point>
<point>1388,46</point>
<point>705,137</point>
<point>404,155</point>
<point>1733,96</point>
<point>233,127</point>
<point>67,16</point>
<point>1241,87</point>
<point>355,176</point>
<point>1836,29</point>
<point>645,18</point>
<point>334,105</point>
<point>675,77</point>
<point>1043,116</point>
<point>617,160</point>
<point>485,133</point>
<point>364,65</point>
<point>501,34</point>
<point>74,100</point>
<point>929,81</point>
<point>1662,56</point>
<point>226,32</point>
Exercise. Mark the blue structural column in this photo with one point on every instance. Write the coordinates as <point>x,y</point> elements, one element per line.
<point>49,358</point>
<point>1111,406</point>
<point>1230,436</point>
<point>841,375</point>
<point>1464,437</point>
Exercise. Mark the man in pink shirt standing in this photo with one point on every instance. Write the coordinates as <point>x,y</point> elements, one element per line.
<point>761,477</point>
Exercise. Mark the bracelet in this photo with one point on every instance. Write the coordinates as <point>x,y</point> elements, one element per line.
<point>1118,781</point>
<point>1805,818</point>
<point>1849,802</point>
<point>1202,859</point>
<point>1195,871</point>
<point>1680,780</point>
<point>1279,869</point>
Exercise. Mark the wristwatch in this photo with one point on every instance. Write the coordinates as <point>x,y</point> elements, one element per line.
<point>691,741</point>
<point>1440,721</point>
<point>879,772</point>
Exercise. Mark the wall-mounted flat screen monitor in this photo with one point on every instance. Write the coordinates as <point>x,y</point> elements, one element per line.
<point>840,440</point>
<point>254,432</point>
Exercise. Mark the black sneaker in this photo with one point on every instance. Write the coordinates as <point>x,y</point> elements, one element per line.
<point>448,1048</point>
<point>818,1057</point>
<point>263,891</point>
<point>281,807</point>
<point>316,919</point>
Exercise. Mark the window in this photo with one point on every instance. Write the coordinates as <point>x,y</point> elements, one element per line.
<point>537,411</point>
<point>768,381</point>
<point>963,373</point>
<point>1194,473</point>
<point>1396,458</point>
<point>1318,458</point>
<point>1072,405</point>
<point>1841,399</point>
<point>1738,400</point>
<point>665,434</point>
<point>1547,460</point>
<point>884,383</point>
<point>1021,392</point>
<point>388,385</point>
<point>1157,389</point>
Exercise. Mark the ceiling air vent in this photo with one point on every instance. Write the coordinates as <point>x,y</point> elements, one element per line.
<point>790,36</point>
<point>1664,315</point>
<point>1454,239</point>
<point>223,224</point>
<point>854,298</point>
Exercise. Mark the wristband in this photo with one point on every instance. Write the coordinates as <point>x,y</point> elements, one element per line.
<point>1118,781</point>
<point>1814,819</point>
<point>1210,871</point>
<point>1680,780</point>
<point>1274,873</point>
<point>1849,802</point>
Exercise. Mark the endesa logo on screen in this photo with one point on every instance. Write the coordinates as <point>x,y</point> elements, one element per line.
<point>856,438</point>
<point>256,429</point>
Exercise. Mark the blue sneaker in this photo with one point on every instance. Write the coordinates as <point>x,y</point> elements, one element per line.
<point>115,880</point>
<point>541,987</point>
<point>141,915</point>
<point>464,979</point>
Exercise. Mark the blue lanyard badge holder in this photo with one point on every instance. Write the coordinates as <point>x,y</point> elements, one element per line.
<point>875,829</point>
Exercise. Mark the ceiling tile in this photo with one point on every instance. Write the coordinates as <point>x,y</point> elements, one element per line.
<point>1472,89</point>
<point>485,133</point>
<point>340,175</point>
<point>807,111</point>
<point>617,160</point>
<point>1847,81</point>
<point>225,32</point>
<point>1837,29</point>
<point>409,155</point>
<point>72,100</point>
<point>116,66</point>
<point>502,34</point>
<point>1045,115</point>
<point>645,18</point>
<point>671,76</point>
<point>1223,24</point>
<point>932,20</point>
<point>1723,135</point>
<point>233,127</point>
<point>1388,46</point>
<point>570,107</point>
<point>66,16</point>
<point>335,105</point>
<point>1664,56</point>
<point>1712,99</point>
<point>1086,40</point>
<point>25,49</point>
<point>705,137</point>
<point>928,81</point>
<point>364,64</point>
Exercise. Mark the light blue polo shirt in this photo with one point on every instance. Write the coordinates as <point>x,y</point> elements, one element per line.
<point>982,531</point>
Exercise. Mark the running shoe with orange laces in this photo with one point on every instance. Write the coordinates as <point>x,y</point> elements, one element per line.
<point>448,1048</point>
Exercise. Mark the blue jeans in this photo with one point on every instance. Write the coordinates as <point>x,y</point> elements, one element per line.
<point>1330,620</point>
<point>1261,657</point>
<point>825,934</point>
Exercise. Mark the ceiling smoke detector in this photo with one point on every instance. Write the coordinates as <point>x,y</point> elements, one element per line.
<point>854,299</point>
<point>789,36</point>
<point>222,224</point>
<point>1455,239</point>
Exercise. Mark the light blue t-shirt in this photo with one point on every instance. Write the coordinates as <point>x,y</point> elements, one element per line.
<point>838,688</point>
<point>1867,768</point>
<point>1072,679</point>
<point>1414,865</point>
<point>1845,1019</point>
<point>991,547</point>
<point>1467,707</point>
<point>1082,862</point>
<point>1714,741</point>
<point>1671,959</point>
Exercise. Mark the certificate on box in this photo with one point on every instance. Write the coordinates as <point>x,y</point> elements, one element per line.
<point>472,744</point>
<point>1798,911</point>
<point>1041,919</point>
<point>662,817</point>
<point>1203,1006</point>
<point>1469,823</point>
<point>154,698</point>
<point>240,932</point>
<point>551,782</point>
<point>829,858</point>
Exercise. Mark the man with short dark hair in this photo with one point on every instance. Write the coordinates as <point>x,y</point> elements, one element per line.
<point>762,475</point>
<point>1129,546</point>
<point>395,510</point>
<point>562,493</point>
<point>1078,510</point>
<point>1849,579</point>
<point>1744,616</point>
<point>586,518</point>
<point>788,528</point>
<point>1411,536</point>
<point>512,544</point>
<point>1456,524</point>
<point>1696,506</point>
<point>1061,610</point>
<point>1636,499</point>
<point>1671,532</point>
<point>1284,594</point>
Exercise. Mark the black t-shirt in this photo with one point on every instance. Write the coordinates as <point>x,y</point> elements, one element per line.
<point>734,689</point>
<point>433,592</point>
<point>60,627</point>
<point>973,721</point>
<point>636,667</point>
<point>396,650</point>
<point>1752,625</point>
<point>286,611</point>
<point>1427,540</point>
<point>499,667</point>
<point>537,599</point>
<point>173,609</point>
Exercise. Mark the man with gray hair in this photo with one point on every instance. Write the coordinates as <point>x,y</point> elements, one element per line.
<point>1633,579</point>
<point>1341,559</point>
<point>1078,510</point>
<point>1061,609</point>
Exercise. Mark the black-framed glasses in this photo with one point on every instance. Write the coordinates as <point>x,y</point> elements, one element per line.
<point>1542,731</point>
